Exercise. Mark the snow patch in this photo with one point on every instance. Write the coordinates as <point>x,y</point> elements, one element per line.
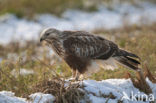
<point>118,87</point>
<point>96,92</point>
<point>42,98</point>
<point>14,29</point>
<point>8,97</point>
<point>22,71</point>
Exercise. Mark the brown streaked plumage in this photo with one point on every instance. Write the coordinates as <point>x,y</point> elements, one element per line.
<point>81,50</point>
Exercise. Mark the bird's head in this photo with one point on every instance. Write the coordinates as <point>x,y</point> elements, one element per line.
<point>49,34</point>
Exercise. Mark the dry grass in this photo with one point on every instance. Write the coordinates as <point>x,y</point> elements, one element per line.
<point>32,56</point>
<point>63,94</point>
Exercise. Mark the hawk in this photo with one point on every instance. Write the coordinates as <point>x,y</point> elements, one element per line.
<point>83,51</point>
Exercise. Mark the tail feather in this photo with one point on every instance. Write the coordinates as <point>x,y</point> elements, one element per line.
<point>133,60</point>
<point>125,58</point>
<point>125,63</point>
<point>121,52</point>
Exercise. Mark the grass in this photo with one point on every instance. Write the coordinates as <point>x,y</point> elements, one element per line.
<point>36,57</point>
<point>28,8</point>
<point>68,94</point>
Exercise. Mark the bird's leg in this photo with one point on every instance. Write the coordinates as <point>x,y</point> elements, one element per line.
<point>77,75</point>
<point>73,73</point>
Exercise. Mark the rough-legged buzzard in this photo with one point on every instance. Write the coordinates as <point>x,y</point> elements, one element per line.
<point>83,51</point>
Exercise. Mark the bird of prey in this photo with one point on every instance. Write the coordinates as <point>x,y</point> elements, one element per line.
<point>83,51</point>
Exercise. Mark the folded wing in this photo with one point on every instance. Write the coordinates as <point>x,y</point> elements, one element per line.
<point>89,46</point>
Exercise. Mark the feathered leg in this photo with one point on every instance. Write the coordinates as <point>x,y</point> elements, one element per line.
<point>77,76</point>
<point>73,73</point>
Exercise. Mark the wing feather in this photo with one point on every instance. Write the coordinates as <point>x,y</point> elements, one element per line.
<point>89,46</point>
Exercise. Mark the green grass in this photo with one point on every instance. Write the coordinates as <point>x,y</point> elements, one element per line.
<point>33,56</point>
<point>28,8</point>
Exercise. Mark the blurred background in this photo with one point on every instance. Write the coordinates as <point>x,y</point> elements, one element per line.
<point>24,19</point>
<point>24,61</point>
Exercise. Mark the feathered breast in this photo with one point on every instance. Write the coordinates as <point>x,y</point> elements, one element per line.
<point>57,47</point>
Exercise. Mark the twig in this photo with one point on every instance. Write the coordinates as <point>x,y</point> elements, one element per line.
<point>148,74</point>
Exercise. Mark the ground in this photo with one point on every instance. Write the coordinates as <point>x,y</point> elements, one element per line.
<point>87,91</point>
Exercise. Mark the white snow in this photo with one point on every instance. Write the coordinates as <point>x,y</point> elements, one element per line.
<point>21,71</point>
<point>118,87</point>
<point>15,29</point>
<point>8,97</point>
<point>96,91</point>
<point>153,86</point>
<point>42,98</point>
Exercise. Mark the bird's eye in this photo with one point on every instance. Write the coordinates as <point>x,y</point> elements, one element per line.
<point>47,34</point>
